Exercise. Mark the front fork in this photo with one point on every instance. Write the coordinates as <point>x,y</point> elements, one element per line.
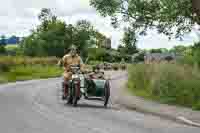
<point>72,88</point>
<point>77,88</point>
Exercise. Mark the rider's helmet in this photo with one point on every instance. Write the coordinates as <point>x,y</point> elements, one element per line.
<point>73,50</point>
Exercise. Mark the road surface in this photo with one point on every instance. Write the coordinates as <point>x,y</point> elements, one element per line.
<point>36,107</point>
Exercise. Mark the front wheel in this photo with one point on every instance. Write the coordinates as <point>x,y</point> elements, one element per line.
<point>106,93</point>
<point>76,93</point>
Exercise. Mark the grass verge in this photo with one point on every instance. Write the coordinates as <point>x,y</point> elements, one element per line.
<point>28,72</point>
<point>167,83</point>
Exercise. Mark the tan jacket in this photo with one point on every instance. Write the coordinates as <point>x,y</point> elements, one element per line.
<point>68,60</point>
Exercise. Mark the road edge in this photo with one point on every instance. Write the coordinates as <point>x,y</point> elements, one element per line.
<point>124,102</point>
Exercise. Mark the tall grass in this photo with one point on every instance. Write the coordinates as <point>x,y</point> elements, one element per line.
<point>168,83</point>
<point>19,60</point>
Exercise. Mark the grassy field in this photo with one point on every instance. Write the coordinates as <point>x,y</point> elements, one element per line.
<point>17,68</point>
<point>20,73</point>
<point>166,83</point>
<point>11,46</point>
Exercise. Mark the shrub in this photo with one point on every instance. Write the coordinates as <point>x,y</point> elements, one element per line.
<point>168,83</point>
<point>4,68</point>
<point>93,62</point>
<point>2,50</point>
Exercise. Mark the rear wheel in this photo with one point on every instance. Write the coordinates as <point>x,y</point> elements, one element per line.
<point>106,93</point>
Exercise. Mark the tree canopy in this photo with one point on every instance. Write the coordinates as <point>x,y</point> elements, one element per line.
<point>53,37</point>
<point>170,17</point>
<point>129,39</point>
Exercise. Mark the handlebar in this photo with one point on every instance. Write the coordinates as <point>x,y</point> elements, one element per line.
<point>75,69</point>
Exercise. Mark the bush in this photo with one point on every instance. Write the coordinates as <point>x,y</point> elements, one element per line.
<point>14,50</point>
<point>2,49</point>
<point>4,68</point>
<point>94,63</point>
<point>168,83</point>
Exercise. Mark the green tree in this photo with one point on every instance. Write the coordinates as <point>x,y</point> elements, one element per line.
<point>159,50</point>
<point>82,37</point>
<point>99,38</point>
<point>121,49</point>
<point>167,16</point>
<point>97,54</point>
<point>3,44</point>
<point>179,49</point>
<point>49,39</point>
<point>53,37</point>
<point>129,39</point>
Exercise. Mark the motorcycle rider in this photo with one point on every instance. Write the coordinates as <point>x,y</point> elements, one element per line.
<point>69,59</point>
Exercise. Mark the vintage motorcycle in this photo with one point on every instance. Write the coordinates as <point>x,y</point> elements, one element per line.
<point>90,87</point>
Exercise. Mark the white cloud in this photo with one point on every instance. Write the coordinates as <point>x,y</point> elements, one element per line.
<point>20,16</point>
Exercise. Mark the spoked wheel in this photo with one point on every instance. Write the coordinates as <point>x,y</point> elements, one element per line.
<point>106,93</point>
<point>76,93</point>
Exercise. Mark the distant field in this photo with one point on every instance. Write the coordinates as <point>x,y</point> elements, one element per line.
<point>11,46</point>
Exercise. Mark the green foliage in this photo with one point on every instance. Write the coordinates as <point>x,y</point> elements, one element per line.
<point>53,37</point>
<point>2,45</point>
<point>13,50</point>
<point>160,50</point>
<point>2,50</point>
<point>138,57</point>
<point>82,37</point>
<point>190,55</point>
<point>3,40</point>
<point>168,83</point>
<point>14,68</point>
<point>129,39</point>
<point>142,15</point>
<point>97,54</point>
<point>179,49</point>
<point>94,62</point>
<point>104,55</point>
<point>48,41</point>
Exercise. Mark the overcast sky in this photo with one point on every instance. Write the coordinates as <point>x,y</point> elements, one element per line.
<point>18,17</point>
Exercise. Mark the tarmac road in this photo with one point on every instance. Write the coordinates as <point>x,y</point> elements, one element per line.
<point>36,107</point>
